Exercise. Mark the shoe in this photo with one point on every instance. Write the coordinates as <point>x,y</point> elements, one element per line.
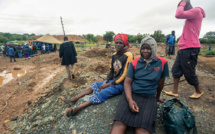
<point>69,112</point>
<point>67,101</point>
<point>171,93</point>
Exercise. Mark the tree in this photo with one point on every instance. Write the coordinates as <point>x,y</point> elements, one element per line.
<point>158,36</point>
<point>3,39</point>
<point>108,36</point>
<point>210,34</point>
<point>90,37</point>
<point>32,34</point>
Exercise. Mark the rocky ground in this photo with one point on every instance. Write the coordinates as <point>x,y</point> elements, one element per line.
<point>38,109</point>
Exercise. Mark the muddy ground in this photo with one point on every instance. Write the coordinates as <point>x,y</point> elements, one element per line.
<point>22,83</point>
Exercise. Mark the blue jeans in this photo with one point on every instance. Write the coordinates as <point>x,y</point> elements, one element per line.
<point>104,94</point>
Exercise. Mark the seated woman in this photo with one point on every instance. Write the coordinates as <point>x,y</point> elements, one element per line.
<point>143,84</point>
<point>113,85</point>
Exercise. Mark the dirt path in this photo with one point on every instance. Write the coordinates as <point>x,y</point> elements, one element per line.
<point>43,69</point>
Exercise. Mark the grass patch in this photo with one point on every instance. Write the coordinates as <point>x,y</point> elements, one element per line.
<point>211,52</point>
<point>80,50</point>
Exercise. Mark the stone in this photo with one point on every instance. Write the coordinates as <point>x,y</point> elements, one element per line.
<point>14,118</point>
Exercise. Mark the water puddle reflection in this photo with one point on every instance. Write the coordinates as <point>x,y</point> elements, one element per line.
<point>8,74</point>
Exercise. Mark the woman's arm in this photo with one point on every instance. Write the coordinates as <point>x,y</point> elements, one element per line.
<point>128,92</point>
<point>159,89</point>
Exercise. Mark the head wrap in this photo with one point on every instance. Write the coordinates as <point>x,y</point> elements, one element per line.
<point>153,45</point>
<point>124,38</point>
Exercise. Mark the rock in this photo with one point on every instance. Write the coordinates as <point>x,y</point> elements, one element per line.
<point>14,118</point>
<point>6,124</point>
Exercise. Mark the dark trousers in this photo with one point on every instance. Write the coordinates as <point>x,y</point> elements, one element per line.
<point>12,57</point>
<point>185,63</point>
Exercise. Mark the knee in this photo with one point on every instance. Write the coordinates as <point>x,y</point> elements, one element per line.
<point>141,131</point>
<point>118,128</point>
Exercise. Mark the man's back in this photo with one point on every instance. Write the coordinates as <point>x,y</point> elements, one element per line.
<point>68,53</point>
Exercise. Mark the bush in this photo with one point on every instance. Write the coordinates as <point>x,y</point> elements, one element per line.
<point>211,52</point>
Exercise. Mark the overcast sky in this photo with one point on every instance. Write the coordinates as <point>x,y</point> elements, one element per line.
<point>97,16</point>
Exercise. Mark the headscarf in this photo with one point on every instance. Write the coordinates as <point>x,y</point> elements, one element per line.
<point>152,43</point>
<point>124,38</point>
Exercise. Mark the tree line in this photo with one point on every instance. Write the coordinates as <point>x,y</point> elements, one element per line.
<point>208,38</point>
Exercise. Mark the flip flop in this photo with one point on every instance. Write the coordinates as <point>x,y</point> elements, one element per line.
<point>69,112</point>
<point>196,96</point>
<point>171,93</point>
<point>67,101</point>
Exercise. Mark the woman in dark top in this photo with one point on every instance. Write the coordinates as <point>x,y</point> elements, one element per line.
<point>110,87</point>
<point>143,84</point>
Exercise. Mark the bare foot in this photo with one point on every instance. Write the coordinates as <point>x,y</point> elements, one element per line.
<point>161,100</point>
<point>171,93</point>
<point>196,95</point>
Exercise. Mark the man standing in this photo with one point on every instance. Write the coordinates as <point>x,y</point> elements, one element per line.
<point>68,56</point>
<point>189,44</point>
<point>170,44</point>
<point>3,50</point>
<point>11,54</point>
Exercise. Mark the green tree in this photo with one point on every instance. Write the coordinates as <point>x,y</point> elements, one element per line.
<point>3,39</point>
<point>32,34</point>
<point>158,36</point>
<point>90,37</point>
<point>210,34</point>
<point>108,36</point>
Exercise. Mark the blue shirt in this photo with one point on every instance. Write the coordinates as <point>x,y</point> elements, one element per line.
<point>145,81</point>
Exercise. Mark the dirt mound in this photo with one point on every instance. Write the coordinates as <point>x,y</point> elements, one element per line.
<point>104,52</point>
<point>70,37</point>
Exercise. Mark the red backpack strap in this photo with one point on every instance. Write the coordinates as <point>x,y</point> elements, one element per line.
<point>163,61</point>
<point>134,63</point>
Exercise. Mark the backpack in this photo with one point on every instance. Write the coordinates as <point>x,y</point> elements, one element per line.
<point>171,39</point>
<point>177,118</point>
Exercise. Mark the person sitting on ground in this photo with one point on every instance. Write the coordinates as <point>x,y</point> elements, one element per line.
<point>143,84</point>
<point>113,85</point>
<point>68,56</point>
<point>187,57</point>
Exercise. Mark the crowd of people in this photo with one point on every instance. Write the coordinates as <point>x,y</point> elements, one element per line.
<point>27,50</point>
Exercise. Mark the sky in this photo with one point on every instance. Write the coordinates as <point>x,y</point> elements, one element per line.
<point>98,16</point>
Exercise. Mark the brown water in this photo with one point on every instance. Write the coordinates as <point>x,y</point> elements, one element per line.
<point>8,74</point>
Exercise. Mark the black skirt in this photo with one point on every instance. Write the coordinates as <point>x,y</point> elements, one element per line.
<point>146,116</point>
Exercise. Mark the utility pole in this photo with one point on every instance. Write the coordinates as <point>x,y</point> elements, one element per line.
<point>62,25</point>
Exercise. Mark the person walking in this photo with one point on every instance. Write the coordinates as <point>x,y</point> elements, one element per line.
<point>68,56</point>
<point>189,44</point>
<point>11,54</point>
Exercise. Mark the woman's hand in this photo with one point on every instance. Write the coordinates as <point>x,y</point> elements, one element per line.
<point>133,106</point>
<point>161,100</point>
<point>104,85</point>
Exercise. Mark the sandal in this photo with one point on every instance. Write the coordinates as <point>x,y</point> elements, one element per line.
<point>69,112</point>
<point>67,101</point>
